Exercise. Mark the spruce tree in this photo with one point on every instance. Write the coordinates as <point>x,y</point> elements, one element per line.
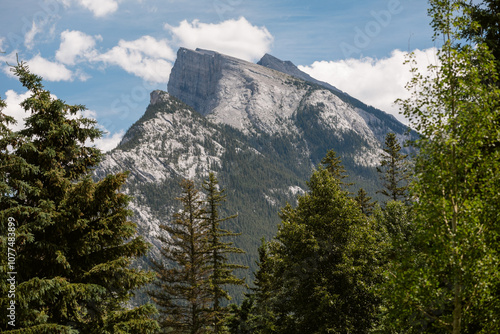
<point>325,263</point>
<point>182,289</point>
<point>74,243</point>
<point>393,170</point>
<point>222,272</point>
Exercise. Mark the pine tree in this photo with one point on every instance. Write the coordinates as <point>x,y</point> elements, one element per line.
<point>221,270</point>
<point>74,244</point>
<point>182,289</point>
<point>364,202</point>
<point>393,170</point>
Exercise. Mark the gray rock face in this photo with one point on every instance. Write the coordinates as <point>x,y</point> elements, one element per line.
<point>194,78</point>
<point>158,96</point>
<point>289,68</point>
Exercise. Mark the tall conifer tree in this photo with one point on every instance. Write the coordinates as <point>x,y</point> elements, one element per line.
<point>182,289</point>
<point>393,170</point>
<point>364,202</point>
<point>222,272</point>
<point>74,243</point>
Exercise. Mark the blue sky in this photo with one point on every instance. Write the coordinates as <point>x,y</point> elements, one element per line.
<point>109,54</point>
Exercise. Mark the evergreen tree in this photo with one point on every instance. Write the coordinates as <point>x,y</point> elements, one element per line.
<point>333,164</point>
<point>325,263</point>
<point>262,318</point>
<point>182,290</point>
<point>73,244</point>
<point>393,170</point>
<point>450,283</point>
<point>364,202</point>
<point>221,274</point>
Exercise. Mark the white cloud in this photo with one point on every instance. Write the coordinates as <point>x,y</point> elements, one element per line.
<point>29,37</point>
<point>74,45</point>
<point>377,82</point>
<point>236,38</point>
<point>108,141</point>
<point>13,109</point>
<point>100,8</point>
<point>146,57</point>
<point>48,70</point>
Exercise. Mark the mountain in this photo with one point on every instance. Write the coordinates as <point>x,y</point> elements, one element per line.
<point>261,130</point>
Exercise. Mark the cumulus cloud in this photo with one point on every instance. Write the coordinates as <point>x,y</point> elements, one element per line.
<point>108,141</point>
<point>13,109</point>
<point>76,45</point>
<point>146,57</point>
<point>238,38</point>
<point>377,82</point>
<point>100,8</point>
<point>48,70</point>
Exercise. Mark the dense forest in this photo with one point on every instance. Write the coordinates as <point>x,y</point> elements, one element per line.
<point>423,260</point>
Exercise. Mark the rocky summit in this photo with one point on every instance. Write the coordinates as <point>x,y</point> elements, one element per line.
<point>260,127</point>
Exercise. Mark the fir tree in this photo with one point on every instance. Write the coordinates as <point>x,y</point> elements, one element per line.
<point>74,243</point>
<point>182,289</point>
<point>393,170</point>
<point>221,270</point>
<point>364,202</point>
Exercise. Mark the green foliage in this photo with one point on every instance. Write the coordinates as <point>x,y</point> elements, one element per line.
<point>363,200</point>
<point>323,265</point>
<point>393,170</point>
<point>483,26</point>
<point>73,243</point>
<point>449,283</point>
<point>333,164</point>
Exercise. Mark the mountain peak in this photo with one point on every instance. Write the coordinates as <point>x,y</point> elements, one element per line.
<point>289,68</point>
<point>158,96</point>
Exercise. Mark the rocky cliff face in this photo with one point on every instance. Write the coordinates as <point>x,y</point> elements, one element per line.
<point>196,78</point>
